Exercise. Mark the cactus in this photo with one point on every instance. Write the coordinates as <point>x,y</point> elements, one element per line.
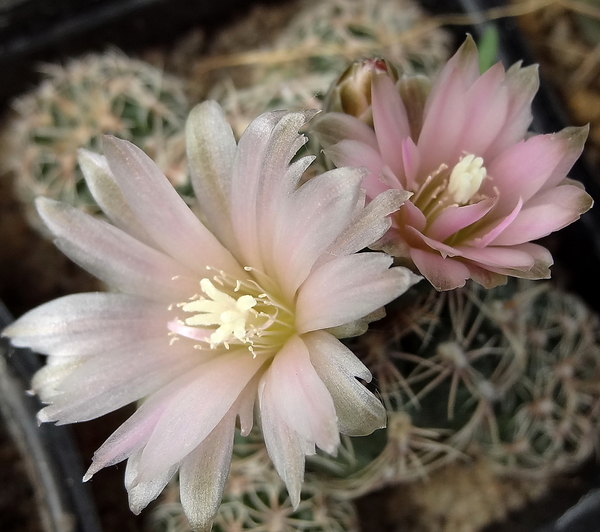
<point>297,68</point>
<point>512,374</point>
<point>73,106</point>
<point>256,499</point>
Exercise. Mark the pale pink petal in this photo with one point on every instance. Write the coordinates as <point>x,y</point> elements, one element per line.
<point>303,401</point>
<point>545,213</point>
<point>274,192</point>
<point>487,107</point>
<point>534,164</point>
<point>389,121</point>
<point>454,218</point>
<point>143,493</point>
<point>197,409</point>
<point>357,154</point>
<point>498,256</point>
<point>348,288</point>
<point>108,196</point>
<point>103,384</point>
<point>245,185</point>
<point>285,447</point>
<point>46,380</point>
<point>368,226</point>
<point>211,151</point>
<point>332,128</point>
<point>88,324</point>
<point>412,161</point>
<point>446,108</point>
<point>442,273</point>
<point>113,256</point>
<point>163,213</point>
<point>317,213</point>
<point>203,475</point>
<point>359,411</point>
<point>133,435</point>
<point>412,216</point>
<point>522,84</point>
<point>491,231</point>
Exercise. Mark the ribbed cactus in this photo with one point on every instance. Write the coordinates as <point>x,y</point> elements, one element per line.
<point>296,70</point>
<point>256,499</point>
<point>74,106</point>
<point>511,374</point>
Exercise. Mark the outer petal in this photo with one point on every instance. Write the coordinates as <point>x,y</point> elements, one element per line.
<point>359,411</point>
<point>317,214</point>
<point>348,288</point>
<point>332,128</point>
<point>211,151</point>
<point>142,494</point>
<point>203,475</point>
<point>115,257</point>
<point>357,154</point>
<point>108,196</point>
<point>390,121</point>
<point>88,324</point>
<point>245,185</point>
<point>103,384</point>
<point>285,447</point>
<point>522,84</point>
<point>197,409</point>
<point>302,400</point>
<point>368,226</point>
<point>442,273</point>
<point>545,213</point>
<point>164,215</point>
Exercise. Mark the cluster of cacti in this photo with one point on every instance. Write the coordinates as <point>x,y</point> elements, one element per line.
<point>256,499</point>
<point>511,373</point>
<point>296,70</point>
<point>74,106</point>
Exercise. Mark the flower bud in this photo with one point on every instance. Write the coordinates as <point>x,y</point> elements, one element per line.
<point>351,93</point>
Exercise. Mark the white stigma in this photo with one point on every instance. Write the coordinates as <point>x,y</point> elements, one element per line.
<point>466,178</point>
<point>230,314</point>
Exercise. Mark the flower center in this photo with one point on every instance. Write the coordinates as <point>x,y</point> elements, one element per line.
<point>444,188</point>
<point>466,178</point>
<point>232,316</point>
<point>234,312</point>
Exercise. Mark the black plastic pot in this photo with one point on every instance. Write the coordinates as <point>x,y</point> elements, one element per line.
<point>51,458</point>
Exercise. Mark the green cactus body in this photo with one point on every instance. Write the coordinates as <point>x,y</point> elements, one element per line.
<point>255,499</point>
<point>74,106</point>
<point>511,374</point>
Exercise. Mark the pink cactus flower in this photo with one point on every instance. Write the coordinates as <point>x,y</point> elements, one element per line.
<point>482,190</point>
<point>208,320</point>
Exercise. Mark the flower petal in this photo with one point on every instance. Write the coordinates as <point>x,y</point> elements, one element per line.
<point>348,288</point>
<point>359,411</point>
<point>211,151</point>
<point>332,128</point>
<point>108,196</point>
<point>316,215</point>
<point>454,218</point>
<point>390,121</point>
<point>545,213</point>
<point>196,409</point>
<point>203,475</point>
<point>163,213</point>
<point>442,273</point>
<point>303,401</point>
<point>88,324</point>
<point>357,154</point>
<point>141,494</point>
<point>113,256</point>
